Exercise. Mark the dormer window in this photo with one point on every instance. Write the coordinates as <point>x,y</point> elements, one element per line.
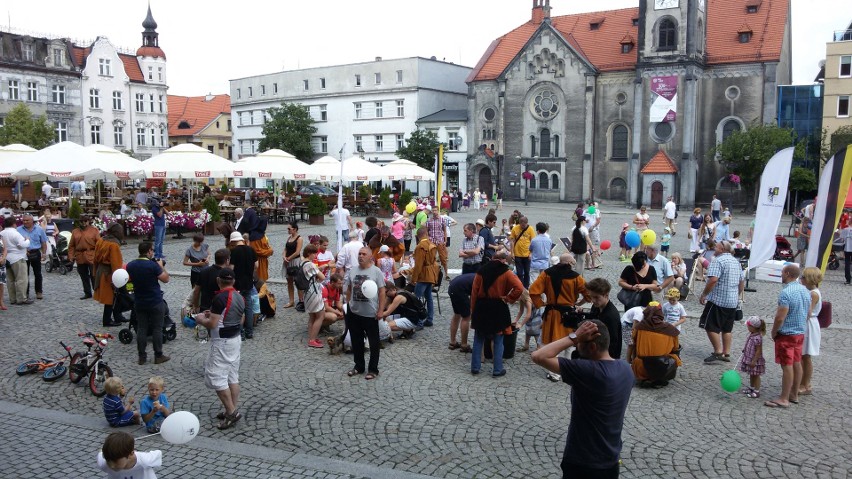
<point>751,9</point>
<point>626,47</point>
<point>183,125</point>
<point>27,51</point>
<point>595,24</point>
<point>635,21</point>
<point>745,37</point>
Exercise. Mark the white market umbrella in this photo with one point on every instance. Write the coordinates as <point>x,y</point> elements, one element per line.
<point>55,163</point>
<point>188,161</point>
<point>274,164</point>
<point>353,169</point>
<point>110,164</point>
<point>406,170</point>
<point>11,157</point>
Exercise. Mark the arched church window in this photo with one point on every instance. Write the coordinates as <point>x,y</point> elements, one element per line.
<point>667,39</point>
<point>545,143</point>
<point>729,128</point>
<point>619,143</point>
<point>542,181</point>
<point>554,181</point>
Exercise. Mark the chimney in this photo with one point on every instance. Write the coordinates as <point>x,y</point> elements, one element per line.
<point>209,97</point>
<point>378,59</point>
<point>540,11</point>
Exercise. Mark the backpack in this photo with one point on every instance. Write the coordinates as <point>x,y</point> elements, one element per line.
<point>415,305</point>
<point>578,242</point>
<point>301,280</point>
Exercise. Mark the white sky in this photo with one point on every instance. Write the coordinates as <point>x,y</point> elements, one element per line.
<point>208,43</point>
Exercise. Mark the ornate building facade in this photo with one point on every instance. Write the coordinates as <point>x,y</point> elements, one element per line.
<point>585,102</point>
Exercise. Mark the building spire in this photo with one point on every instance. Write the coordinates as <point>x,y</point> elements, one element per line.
<point>149,36</point>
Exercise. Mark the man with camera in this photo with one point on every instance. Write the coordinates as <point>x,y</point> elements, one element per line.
<point>159,213</point>
<point>146,273</point>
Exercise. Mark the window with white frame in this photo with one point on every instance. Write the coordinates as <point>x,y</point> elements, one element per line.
<point>105,67</point>
<point>258,117</point>
<point>307,84</point>
<point>249,147</point>
<point>118,135</point>
<point>94,98</point>
<point>274,88</point>
<point>160,77</point>
<point>453,141</point>
<point>400,108</point>
<point>357,110</point>
<point>378,78</point>
<point>163,136</point>
<point>262,90</point>
<point>400,140</point>
<point>14,90</point>
<point>322,83</point>
<point>845,66</point>
<point>151,102</point>
<point>32,91</point>
<point>96,134</point>
<point>251,92</point>
<point>843,106</point>
<point>359,143</point>
<point>117,103</point>
<point>323,112</point>
<point>357,80</point>
<point>162,103</point>
<point>320,144</point>
<point>239,94</point>
<point>27,50</point>
<point>245,118</point>
<point>58,94</point>
<point>399,76</point>
<point>61,131</point>
<point>140,137</point>
<point>153,137</point>
<point>58,56</point>
<point>150,73</point>
<point>379,109</point>
<point>140,102</point>
<point>380,143</point>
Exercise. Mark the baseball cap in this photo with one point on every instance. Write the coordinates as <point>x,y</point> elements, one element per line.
<point>384,248</point>
<point>236,236</point>
<point>226,273</point>
<point>753,321</point>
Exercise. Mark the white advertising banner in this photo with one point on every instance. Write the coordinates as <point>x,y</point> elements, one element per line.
<point>770,205</point>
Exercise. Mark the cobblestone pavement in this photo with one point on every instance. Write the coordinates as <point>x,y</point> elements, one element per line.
<point>425,414</point>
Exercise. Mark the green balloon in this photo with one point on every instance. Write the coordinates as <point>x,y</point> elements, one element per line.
<point>592,210</point>
<point>731,381</point>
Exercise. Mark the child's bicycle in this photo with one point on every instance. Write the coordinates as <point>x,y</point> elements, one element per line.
<point>51,369</point>
<point>91,363</point>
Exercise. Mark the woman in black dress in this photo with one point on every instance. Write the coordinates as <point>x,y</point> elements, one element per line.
<point>640,276</point>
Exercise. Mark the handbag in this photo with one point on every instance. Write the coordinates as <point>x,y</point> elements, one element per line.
<point>689,235</point>
<point>824,316</point>
<point>629,298</point>
<point>739,313</point>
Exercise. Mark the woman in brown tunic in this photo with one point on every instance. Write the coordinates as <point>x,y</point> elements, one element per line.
<point>107,259</point>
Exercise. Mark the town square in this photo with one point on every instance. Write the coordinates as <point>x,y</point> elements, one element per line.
<point>611,243</point>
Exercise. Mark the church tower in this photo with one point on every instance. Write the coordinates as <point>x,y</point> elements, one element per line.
<point>672,31</point>
<point>151,58</point>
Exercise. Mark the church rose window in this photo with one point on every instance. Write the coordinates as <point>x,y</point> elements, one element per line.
<point>545,105</point>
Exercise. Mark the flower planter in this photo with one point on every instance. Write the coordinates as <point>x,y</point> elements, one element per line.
<point>383,212</point>
<point>212,228</point>
<point>316,220</point>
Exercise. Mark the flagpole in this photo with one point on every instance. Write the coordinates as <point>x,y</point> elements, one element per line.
<point>439,165</point>
<point>340,201</point>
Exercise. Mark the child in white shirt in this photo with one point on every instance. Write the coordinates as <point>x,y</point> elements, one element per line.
<point>119,459</point>
<point>674,312</point>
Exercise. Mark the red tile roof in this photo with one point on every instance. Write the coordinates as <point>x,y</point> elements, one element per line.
<point>155,52</point>
<point>196,112</point>
<point>131,64</point>
<point>660,163</point>
<point>602,46</point>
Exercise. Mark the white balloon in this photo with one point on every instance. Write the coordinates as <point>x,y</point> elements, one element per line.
<point>120,278</point>
<point>180,427</point>
<point>25,204</point>
<point>369,289</point>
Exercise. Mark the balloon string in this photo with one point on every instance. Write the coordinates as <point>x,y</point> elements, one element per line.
<point>149,435</point>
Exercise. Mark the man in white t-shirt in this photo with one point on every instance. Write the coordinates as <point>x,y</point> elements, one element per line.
<point>342,220</point>
<point>5,211</point>
<point>670,213</point>
<point>716,208</point>
<point>46,189</point>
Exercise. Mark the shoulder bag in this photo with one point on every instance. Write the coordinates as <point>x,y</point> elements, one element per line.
<point>630,298</point>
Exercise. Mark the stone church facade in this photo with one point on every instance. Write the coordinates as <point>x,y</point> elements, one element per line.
<point>585,102</point>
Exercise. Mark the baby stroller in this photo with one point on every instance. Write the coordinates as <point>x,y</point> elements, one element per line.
<point>58,257</point>
<point>124,302</point>
<point>783,249</point>
<point>837,244</point>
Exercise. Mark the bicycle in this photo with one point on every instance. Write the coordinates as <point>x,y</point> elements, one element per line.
<point>91,364</point>
<point>51,369</point>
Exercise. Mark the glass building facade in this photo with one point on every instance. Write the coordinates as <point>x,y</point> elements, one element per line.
<point>800,108</point>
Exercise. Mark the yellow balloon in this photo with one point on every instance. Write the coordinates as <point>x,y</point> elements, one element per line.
<point>648,237</point>
<point>411,207</point>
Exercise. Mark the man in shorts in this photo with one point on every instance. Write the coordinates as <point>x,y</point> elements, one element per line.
<point>222,366</point>
<point>459,291</point>
<point>788,332</point>
<point>725,282</point>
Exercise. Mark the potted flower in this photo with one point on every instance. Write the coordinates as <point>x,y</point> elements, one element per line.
<point>317,209</point>
<point>385,203</point>
<point>215,215</point>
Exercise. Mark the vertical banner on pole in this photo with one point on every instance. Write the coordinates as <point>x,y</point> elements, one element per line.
<point>439,167</point>
<point>770,204</point>
<point>833,187</point>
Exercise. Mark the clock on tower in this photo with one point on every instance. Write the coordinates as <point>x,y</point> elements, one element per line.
<point>664,4</point>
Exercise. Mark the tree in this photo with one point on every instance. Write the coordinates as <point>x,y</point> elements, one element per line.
<point>421,148</point>
<point>290,128</point>
<point>802,180</point>
<point>837,140</point>
<point>21,127</point>
<point>745,153</point>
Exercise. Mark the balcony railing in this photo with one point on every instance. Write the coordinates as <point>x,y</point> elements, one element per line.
<point>843,36</point>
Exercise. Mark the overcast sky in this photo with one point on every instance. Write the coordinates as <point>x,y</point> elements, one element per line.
<point>208,43</point>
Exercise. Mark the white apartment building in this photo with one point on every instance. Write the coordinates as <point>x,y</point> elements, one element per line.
<point>450,126</point>
<point>125,102</point>
<point>362,108</point>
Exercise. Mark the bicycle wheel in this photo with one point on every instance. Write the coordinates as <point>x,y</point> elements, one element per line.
<point>29,366</point>
<point>98,377</point>
<point>54,373</point>
<point>77,368</point>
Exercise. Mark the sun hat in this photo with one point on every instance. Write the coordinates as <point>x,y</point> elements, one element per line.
<point>753,321</point>
<point>480,222</point>
<point>396,217</point>
<point>384,248</point>
<point>236,236</point>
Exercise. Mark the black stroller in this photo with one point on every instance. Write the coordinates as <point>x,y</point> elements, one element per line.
<point>58,258</point>
<point>124,302</point>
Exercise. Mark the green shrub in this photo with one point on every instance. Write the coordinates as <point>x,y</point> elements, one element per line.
<point>385,201</point>
<point>405,198</point>
<point>212,208</point>
<point>316,205</point>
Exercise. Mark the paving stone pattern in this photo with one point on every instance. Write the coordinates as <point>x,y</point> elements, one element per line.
<point>425,414</point>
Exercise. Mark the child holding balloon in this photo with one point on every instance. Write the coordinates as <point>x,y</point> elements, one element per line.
<point>752,361</point>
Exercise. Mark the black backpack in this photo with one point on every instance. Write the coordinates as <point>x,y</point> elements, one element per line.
<point>414,305</point>
<point>301,280</point>
<point>578,242</point>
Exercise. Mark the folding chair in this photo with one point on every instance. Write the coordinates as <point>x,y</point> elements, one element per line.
<point>691,266</point>
<point>436,290</point>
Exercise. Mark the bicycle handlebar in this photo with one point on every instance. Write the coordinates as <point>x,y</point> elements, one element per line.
<point>96,335</point>
<point>67,348</point>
